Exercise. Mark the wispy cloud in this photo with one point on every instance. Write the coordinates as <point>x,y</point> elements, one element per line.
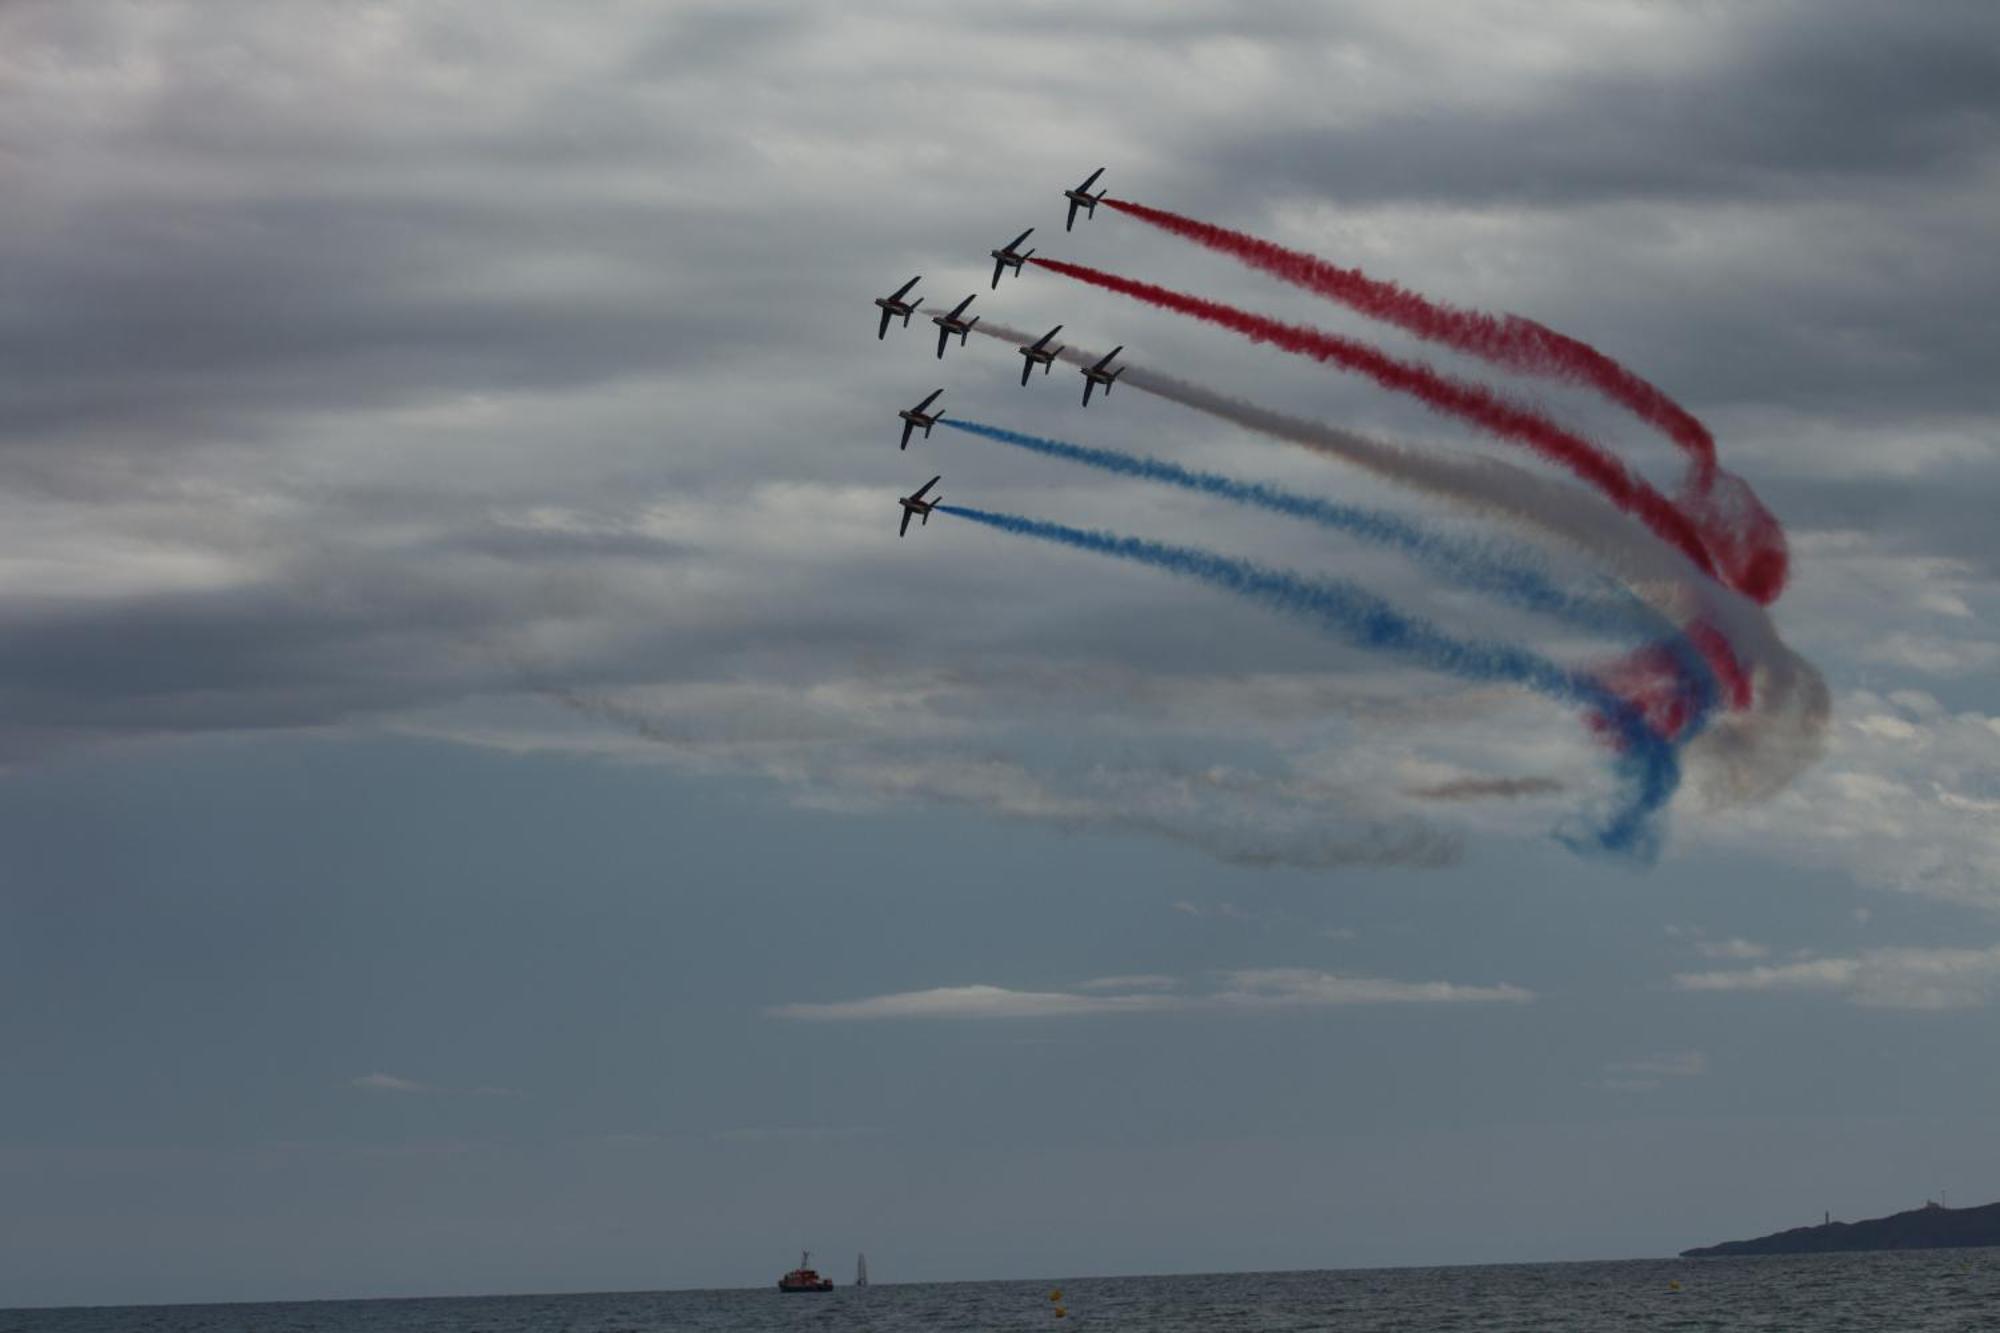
<point>972,1002</point>
<point>1735,948</point>
<point>795,1133</point>
<point>392,1083</point>
<point>1257,989</point>
<point>1281,987</point>
<point>1227,911</point>
<point>1896,978</point>
<point>380,1082</point>
<point>845,745</point>
<point>1649,1072</point>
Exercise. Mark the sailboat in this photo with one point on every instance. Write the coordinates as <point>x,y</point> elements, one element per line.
<point>860,1270</point>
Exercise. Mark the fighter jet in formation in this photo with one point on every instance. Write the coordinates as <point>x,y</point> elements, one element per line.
<point>893,304</point>
<point>1007,257</point>
<point>1039,353</point>
<point>1082,198</point>
<point>913,417</point>
<point>1097,374</point>
<point>916,504</point>
<point>954,323</point>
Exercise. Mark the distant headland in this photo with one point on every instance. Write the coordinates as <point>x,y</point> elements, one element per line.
<point>1931,1227</point>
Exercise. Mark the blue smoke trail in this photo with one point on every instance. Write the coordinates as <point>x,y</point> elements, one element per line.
<point>1479,567</point>
<point>1647,764</point>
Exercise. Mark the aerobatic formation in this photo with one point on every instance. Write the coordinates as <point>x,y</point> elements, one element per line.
<point>1687,576</point>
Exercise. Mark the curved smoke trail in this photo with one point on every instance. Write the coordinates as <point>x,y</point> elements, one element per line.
<point>1647,765</point>
<point>1471,402</point>
<point>1757,555</point>
<point>1480,566</point>
<point>1748,756</point>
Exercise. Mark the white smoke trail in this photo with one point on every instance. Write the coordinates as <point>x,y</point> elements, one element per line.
<point>1744,756</point>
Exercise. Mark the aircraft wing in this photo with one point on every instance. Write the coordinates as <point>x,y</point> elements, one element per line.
<point>959,309</point>
<point>883,331</point>
<point>927,485</point>
<point>908,426</point>
<point>929,398</point>
<point>1072,216</point>
<point>905,529</point>
<point>998,264</point>
<point>1018,239</point>
<point>897,295</point>
<point>944,336</point>
<point>1026,366</point>
<point>1089,181</point>
<point>1043,340</point>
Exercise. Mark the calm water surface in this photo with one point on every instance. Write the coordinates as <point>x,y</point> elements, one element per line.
<point>1868,1293</point>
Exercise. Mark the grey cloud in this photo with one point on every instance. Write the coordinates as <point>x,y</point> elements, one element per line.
<point>494,353</point>
<point>1789,98</point>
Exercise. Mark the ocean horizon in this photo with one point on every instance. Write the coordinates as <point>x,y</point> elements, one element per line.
<point>1919,1291</point>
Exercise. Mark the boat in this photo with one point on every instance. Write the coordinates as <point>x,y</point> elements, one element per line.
<point>860,1270</point>
<point>805,1277</point>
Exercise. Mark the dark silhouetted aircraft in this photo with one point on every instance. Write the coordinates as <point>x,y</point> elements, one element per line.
<point>914,417</point>
<point>1097,374</point>
<point>953,323</point>
<point>1039,353</point>
<point>1082,198</point>
<point>893,304</point>
<point>1007,257</point>
<point>916,504</point>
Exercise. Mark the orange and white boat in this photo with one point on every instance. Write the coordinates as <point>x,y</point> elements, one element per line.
<point>805,1277</point>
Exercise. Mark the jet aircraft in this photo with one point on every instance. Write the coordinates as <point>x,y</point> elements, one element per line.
<point>914,417</point>
<point>1007,257</point>
<point>954,323</point>
<point>893,304</point>
<point>1097,374</point>
<point>916,504</point>
<point>1082,198</point>
<point>1039,353</point>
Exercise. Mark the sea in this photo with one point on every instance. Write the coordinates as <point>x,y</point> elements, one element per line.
<point>1904,1292</point>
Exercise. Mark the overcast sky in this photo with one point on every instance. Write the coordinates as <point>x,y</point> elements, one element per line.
<point>489,802</point>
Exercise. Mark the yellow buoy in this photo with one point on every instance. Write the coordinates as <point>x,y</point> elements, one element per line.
<point>1674,1286</point>
<point>1061,1313</point>
<point>1056,1295</point>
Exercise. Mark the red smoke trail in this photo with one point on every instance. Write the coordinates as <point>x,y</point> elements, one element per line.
<point>1473,402</point>
<point>1654,680</point>
<point>1741,534</point>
